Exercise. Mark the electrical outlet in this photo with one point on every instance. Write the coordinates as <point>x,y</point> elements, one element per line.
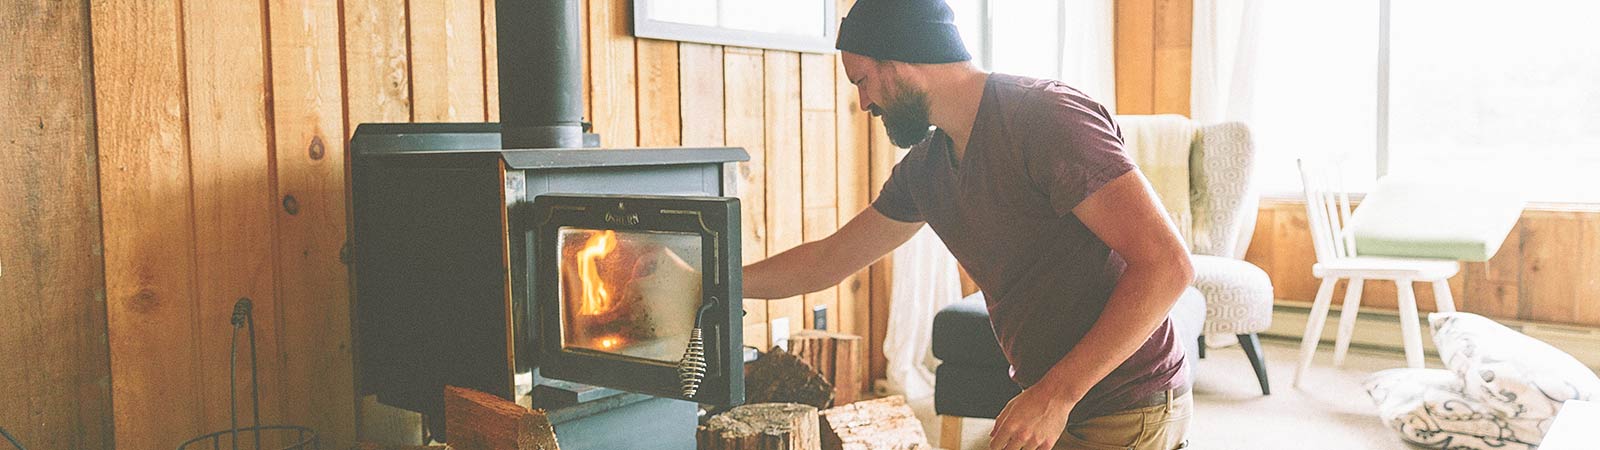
<point>819,317</point>
<point>780,332</point>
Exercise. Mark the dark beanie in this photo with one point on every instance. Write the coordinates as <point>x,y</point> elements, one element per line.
<point>913,31</point>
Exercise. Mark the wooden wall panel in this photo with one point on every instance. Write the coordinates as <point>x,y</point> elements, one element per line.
<point>854,174</point>
<point>1543,272</point>
<point>700,101</point>
<point>56,390</point>
<point>613,95</point>
<point>377,62</point>
<point>819,159</point>
<point>233,216</point>
<point>491,63</point>
<point>447,60</point>
<point>743,72</point>
<point>308,139</point>
<point>1153,48</point>
<point>883,156</point>
<point>147,211</point>
<point>785,207</point>
<point>660,123</point>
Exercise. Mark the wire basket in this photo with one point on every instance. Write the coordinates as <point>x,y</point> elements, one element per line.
<point>251,437</point>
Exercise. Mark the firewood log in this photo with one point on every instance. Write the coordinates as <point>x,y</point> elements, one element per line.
<point>761,426</point>
<point>479,421</point>
<point>837,357</point>
<point>779,377</point>
<point>886,423</point>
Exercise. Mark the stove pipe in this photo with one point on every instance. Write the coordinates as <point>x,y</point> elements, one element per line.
<point>541,89</point>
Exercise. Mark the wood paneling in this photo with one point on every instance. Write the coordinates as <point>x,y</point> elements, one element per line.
<point>744,82</point>
<point>700,101</point>
<point>785,207</point>
<point>56,390</point>
<point>660,123</point>
<point>377,65</point>
<point>613,95</point>
<point>147,215</point>
<point>1543,272</point>
<point>1153,48</point>
<point>309,149</point>
<point>854,175</point>
<point>819,159</point>
<point>883,155</point>
<point>233,215</point>
<point>447,60</point>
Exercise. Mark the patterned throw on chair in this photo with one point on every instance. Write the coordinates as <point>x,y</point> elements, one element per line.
<point>1501,389</point>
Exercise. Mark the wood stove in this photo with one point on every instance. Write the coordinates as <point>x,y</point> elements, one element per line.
<point>516,258</point>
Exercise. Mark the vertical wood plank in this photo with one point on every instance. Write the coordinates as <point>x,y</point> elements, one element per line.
<point>377,70</point>
<point>57,391</point>
<point>744,74</point>
<point>1135,53</point>
<point>229,157</point>
<point>884,155</point>
<point>819,162</point>
<point>585,29</point>
<point>700,99</point>
<point>784,207</point>
<point>447,60</point>
<point>854,171</point>
<point>613,101</point>
<point>148,222</point>
<point>1587,282</point>
<point>309,150</point>
<point>660,123</point>
<point>491,63</point>
<point>1174,25</point>
<point>1554,278</point>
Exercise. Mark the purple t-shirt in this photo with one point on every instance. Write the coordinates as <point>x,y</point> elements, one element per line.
<point>1038,148</point>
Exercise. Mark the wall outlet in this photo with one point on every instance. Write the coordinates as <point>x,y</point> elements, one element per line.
<point>819,317</point>
<point>780,332</point>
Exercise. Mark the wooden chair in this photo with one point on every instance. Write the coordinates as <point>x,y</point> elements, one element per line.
<point>1328,212</point>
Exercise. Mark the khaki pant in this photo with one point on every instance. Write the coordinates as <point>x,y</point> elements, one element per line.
<point>1160,427</point>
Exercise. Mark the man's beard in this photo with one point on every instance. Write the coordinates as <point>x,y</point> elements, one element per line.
<point>906,118</point>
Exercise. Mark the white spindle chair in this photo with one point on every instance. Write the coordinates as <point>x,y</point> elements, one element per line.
<point>1328,213</point>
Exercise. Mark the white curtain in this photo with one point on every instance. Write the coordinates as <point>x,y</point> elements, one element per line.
<point>1224,59</point>
<point>925,280</point>
<point>1088,49</point>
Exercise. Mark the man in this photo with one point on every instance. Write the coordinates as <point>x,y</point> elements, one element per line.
<point>1027,183</point>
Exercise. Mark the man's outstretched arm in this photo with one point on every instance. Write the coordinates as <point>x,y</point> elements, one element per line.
<point>1127,216</point>
<point>816,265</point>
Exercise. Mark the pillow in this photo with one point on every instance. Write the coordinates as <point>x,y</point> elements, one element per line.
<point>1428,408</point>
<point>1517,376</point>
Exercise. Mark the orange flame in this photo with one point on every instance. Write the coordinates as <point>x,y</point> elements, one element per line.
<point>595,300</point>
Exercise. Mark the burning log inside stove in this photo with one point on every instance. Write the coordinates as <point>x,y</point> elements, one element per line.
<point>625,293</point>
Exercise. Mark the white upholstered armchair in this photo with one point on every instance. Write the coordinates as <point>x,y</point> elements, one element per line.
<point>1221,217</point>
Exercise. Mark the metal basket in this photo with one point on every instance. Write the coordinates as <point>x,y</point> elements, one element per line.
<point>298,437</point>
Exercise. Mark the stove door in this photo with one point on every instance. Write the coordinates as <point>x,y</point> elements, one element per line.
<point>640,293</point>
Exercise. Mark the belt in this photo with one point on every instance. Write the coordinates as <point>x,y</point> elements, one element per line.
<point>1159,398</point>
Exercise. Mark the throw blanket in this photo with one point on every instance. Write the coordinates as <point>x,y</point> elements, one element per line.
<point>1159,144</point>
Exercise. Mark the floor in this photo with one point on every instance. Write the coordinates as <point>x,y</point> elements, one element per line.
<point>1329,411</point>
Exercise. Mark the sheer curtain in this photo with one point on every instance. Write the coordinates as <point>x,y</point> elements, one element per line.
<point>1224,60</point>
<point>1069,41</point>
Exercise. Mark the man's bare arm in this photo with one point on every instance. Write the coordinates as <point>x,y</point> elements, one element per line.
<point>816,265</point>
<point>1126,214</point>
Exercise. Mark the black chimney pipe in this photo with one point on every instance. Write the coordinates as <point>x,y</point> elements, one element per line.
<point>541,89</point>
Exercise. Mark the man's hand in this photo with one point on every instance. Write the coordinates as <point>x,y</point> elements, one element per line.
<point>1034,420</point>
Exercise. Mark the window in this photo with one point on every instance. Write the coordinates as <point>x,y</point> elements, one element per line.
<point>1497,92</point>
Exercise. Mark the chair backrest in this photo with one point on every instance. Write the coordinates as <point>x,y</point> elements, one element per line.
<point>1222,190</point>
<point>1327,208</point>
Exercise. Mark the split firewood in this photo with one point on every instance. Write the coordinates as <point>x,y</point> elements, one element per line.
<point>836,356</point>
<point>779,377</point>
<point>883,424</point>
<point>761,426</point>
<point>478,421</point>
<point>372,446</point>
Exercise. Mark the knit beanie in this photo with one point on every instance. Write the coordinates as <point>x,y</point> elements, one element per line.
<point>913,31</point>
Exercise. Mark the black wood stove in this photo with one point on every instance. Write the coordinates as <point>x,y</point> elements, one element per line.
<point>520,260</point>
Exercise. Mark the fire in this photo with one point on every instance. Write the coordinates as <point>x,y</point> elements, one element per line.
<point>608,343</point>
<point>595,299</point>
